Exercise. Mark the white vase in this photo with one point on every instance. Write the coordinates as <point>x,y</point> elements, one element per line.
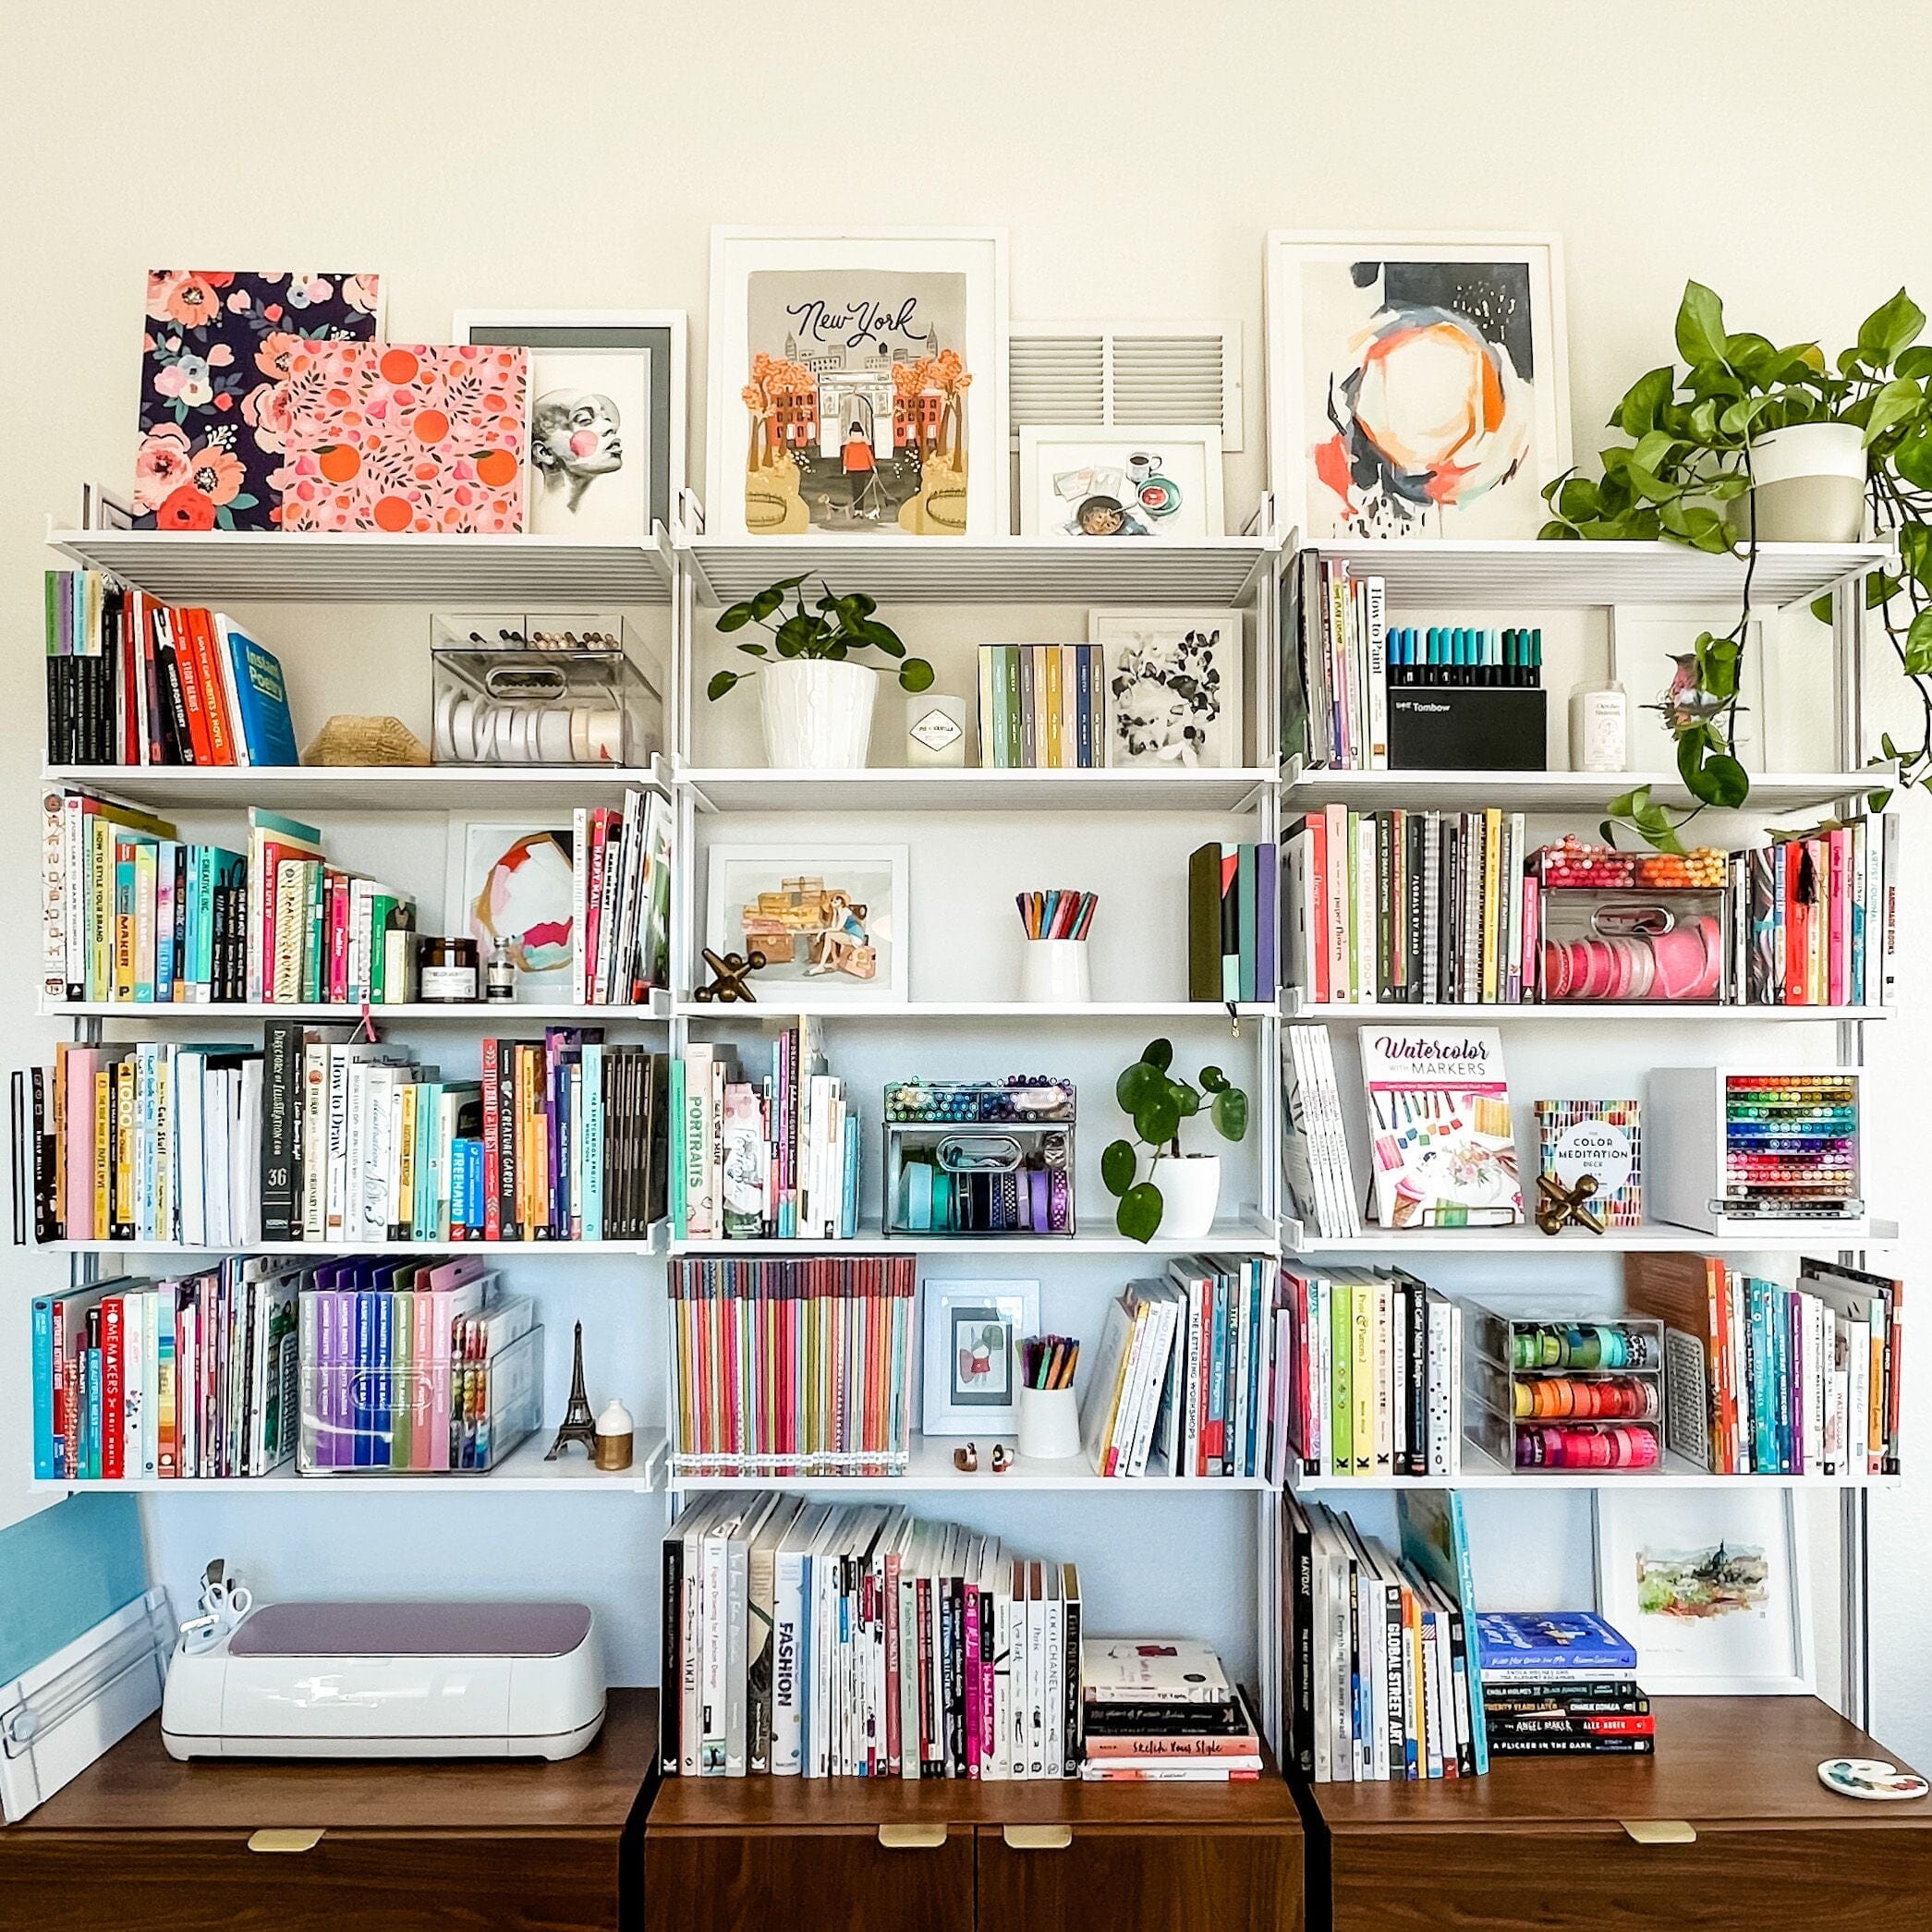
<point>817,713</point>
<point>1190,1191</point>
<point>1807,486</point>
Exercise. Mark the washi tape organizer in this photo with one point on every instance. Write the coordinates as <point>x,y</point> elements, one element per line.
<point>979,1158</point>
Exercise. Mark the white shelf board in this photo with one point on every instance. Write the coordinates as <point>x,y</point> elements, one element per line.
<point>930,1467</point>
<point>1554,791</point>
<point>1481,1471</point>
<point>1098,1237</point>
<point>357,788</point>
<point>979,570</point>
<point>1577,1012</point>
<point>917,1010</point>
<point>464,573</point>
<point>1823,1237</point>
<point>523,1470</point>
<point>973,789</point>
<point>1526,571</point>
<point>321,1251</point>
<point>474,1012</point>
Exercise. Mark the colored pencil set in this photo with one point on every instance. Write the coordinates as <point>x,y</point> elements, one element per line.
<point>1049,1361</point>
<point>1059,913</point>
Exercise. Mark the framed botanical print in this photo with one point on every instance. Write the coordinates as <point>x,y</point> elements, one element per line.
<point>1173,686</point>
<point>606,414</point>
<point>970,1357</point>
<point>831,921</point>
<point>1417,384</point>
<point>857,383</point>
<point>1164,482</point>
<point>512,879</point>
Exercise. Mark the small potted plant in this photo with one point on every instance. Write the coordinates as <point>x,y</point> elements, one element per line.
<point>1182,1191</point>
<point>814,703</point>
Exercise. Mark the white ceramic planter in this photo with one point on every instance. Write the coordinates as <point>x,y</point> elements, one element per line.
<point>1190,1191</point>
<point>1809,485</point>
<point>817,713</point>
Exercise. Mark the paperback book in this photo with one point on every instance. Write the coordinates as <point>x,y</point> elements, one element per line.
<point>1444,1152</point>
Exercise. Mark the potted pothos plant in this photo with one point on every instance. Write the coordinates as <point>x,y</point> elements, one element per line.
<point>815,704</point>
<point>1747,442</point>
<point>1180,1191</point>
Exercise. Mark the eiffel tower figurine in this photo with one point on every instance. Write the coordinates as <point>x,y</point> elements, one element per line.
<point>578,1425</point>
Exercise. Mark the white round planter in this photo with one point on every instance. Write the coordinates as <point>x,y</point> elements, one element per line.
<point>817,713</point>
<point>1190,1191</point>
<point>1808,485</point>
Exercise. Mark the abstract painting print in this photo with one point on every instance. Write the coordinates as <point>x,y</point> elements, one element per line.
<point>512,880</point>
<point>1424,384</point>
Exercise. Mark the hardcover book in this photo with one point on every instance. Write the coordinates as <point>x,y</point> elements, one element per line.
<point>1444,1154</point>
<point>1561,1640</point>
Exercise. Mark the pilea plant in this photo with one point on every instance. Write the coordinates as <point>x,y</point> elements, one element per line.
<point>1686,475</point>
<point>1157,1100</point>
<point>834,628</point>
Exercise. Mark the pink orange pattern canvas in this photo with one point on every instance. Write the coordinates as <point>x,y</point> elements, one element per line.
<point>404,436</point>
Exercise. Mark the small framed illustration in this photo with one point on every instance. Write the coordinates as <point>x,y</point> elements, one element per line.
<point>1417,384</point>
<point>512,879</point>
<point>969,1374</point>
<point>1077,480</point>
<point>829,920</point>
<point>606,414</point>
<point>857,383</point>
<point>1173,686</point>
<point>1710,1585</point>
<point>1653,657</point>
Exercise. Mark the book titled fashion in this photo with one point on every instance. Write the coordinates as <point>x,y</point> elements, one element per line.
<point>1444,1154</point>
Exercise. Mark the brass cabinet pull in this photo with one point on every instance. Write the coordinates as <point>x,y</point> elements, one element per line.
<point>299,1839</point>
<point>1661,1832</point>
<point>1038,1838</point>
<point>912,1838</point>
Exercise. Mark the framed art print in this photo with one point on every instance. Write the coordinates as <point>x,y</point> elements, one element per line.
<point>1079,481</point>
<point>857,383</point>
<point>830,921</point>
<point>1710,1585</point>
<point>512,879</point>
<point>970,1362</point>
<point>1417,384</point>
<point>606,414</point>
<point>1653,656</point>
<point>1173,686</point>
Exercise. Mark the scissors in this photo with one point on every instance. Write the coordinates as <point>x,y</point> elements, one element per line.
<point>224,1601</point>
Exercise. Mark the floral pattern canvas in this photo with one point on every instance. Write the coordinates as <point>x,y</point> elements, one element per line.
<point>404,436</point>
<point>213,387</point>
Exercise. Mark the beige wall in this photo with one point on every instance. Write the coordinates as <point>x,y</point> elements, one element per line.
<point>575,155</point>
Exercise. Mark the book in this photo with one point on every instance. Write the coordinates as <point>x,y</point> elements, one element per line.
<point>1551,1643</point>
<point>1174,1670</point>
<point>1444,1152</point>
<point>264,732</point>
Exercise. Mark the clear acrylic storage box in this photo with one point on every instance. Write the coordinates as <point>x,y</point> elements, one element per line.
<point>979,1158</point>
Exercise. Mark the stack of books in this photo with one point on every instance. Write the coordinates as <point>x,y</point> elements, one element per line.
<point>1316,1176</point>
<point>1813,916</point>
<point>1231,922</point>
<point>1763,1379</point>
<point>1369,1374</point>
<point>1562,1684</point>
<point>132,681</point>
<point>1161,1710</point>
<point>1042,707</point>
<point>1183,1379</point>
<point>1403,907</point>
<point>620,876</point>
<point>791,1367</point>
<point>1336,685</point>
<point>816,1640</point>
<point>772,1156</point>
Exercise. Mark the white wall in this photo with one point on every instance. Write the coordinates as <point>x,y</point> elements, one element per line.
<point>490,152</point>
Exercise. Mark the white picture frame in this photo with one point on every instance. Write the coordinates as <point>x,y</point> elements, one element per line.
<point>1650,1546</point>
<point>536,895</point>
<point>1151,718</point>
<point>1644,637</point>
<point>659,336</point>
<point>1323,320</point>
<point>959,1400</point>
<point>1142,482</point>
<point>856,297</point>
<point>822,974</point>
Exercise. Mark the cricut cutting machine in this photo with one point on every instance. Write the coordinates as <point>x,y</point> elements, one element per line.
<point>384,1680</point>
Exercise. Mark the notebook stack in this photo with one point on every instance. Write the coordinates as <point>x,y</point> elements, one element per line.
<point>1562,1684</point>
<point>1162,1711</point>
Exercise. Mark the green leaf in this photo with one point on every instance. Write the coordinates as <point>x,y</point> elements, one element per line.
<point>796,635</point>
<point>1160,1053</point>
<point>1912,458</point>
<point>1918,646</point>
<point>860,604</point>
<point>1717,662</point>
<point>1877,801</point>
<point>1117,1165</point>
<point>721,681</point>
<point>1187,1098</point>
<point>1642,401</point>
<point>1655,487</point>
<point>1139,1215</point>
<point>1627,805</point>
<point>1653,451</point>
<point>1821,608</point>
<point>915,674</point>
<point>1892,405</point>
<point>1916,552</point>
<point>881,639</point>
<point>1229,1112</point>
<point>768,601</point>
<point>1578,500</point>
<point>736,618</point>
<point>1135,1084</point>
<point>1888,329</point>
<point>1213,1079</point>
<point>1915,364</point>
<point>1700,325</point>
<point>1157,1120</point>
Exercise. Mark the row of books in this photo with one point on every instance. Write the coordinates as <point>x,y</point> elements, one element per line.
<point>133,681</point>
<point>817,1640</point>
<point>1183,1379</point>
<point>1384,1684</point>
<point>1562,1684</point>
<point>1398,906</point>
<point>1762,1379</point>
<point>1316,1179</point>
<point>791,1367</point>
<point>315,1137</point>
<point>1042,707</point>
<point>764,1155</point>
<point>1231,922</point>
<point>620,881</point>
<point>1335,685</point>
<point>1813,916</point>
<point>1369,1367</point>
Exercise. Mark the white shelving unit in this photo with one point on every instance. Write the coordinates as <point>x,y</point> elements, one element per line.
<point>473,1013</point>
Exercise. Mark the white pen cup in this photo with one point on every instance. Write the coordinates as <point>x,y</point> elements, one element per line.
<point>1053,972</point>
<point>1049,1424</point>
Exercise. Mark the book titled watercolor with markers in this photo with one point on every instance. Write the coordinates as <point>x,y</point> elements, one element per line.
<point>1444,1154</point>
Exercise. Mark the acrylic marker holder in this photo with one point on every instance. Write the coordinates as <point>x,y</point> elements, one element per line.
<point>980,1159</point>
<point>1625,927</point>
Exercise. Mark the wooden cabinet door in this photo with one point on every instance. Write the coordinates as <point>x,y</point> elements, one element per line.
<point>1152,1879</point>
<point>806,1880</point>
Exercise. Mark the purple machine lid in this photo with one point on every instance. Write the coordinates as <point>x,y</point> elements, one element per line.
<point>411,1629</point>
